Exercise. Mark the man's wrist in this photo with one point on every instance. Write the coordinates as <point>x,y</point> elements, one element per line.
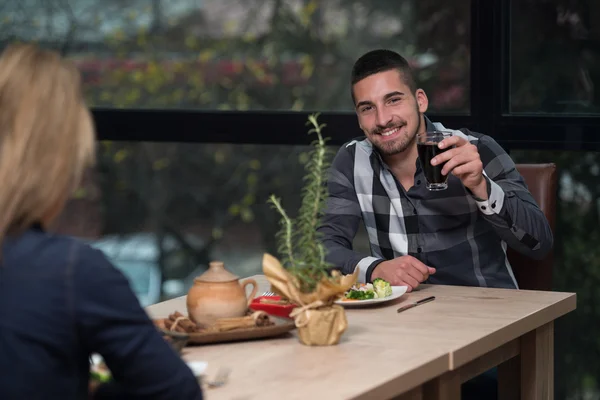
<point>480,192</point>
<point>369,274</point>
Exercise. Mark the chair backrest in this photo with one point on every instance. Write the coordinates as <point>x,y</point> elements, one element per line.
<point>541,179</point>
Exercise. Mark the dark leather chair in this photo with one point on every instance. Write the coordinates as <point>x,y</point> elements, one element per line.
<point>541,179</point>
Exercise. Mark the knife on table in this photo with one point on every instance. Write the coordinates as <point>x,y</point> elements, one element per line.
<point>416,303</point>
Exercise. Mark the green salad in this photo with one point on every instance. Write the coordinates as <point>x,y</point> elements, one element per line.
<point>379,289</point>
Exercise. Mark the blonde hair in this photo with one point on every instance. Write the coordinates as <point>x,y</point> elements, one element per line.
<point>46,135</point>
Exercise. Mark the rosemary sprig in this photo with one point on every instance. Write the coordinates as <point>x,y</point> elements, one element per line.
<point>284,236</point>
<point>298,240</point>
<point>313,201</point>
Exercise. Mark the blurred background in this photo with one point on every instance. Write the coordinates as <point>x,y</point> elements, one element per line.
<point>200,108</point>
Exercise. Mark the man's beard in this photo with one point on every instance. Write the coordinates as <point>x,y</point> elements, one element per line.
<point>400,144</point>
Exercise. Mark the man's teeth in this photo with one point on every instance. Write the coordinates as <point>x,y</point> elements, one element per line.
<point>388,133</point>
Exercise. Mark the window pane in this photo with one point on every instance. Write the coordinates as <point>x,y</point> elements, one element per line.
<point>174,207</point>
<point>246,54</point>
<point>576,269</point>
<point>555,56</point>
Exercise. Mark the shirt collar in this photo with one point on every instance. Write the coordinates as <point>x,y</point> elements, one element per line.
<point>429,126</point>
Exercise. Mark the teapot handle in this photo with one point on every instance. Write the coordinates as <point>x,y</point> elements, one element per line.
<point>254,289</point>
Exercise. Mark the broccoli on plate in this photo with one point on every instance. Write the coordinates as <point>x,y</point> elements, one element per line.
<point>360,294</point>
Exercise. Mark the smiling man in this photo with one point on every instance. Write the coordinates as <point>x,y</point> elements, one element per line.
<point>457,236</point>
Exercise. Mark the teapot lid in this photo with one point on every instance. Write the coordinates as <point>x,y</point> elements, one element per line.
<point>217,273</point>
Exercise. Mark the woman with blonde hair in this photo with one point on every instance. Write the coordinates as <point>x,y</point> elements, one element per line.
<point>61,300</point>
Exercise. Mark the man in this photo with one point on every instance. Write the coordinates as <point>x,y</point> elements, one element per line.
<point>457,236</point>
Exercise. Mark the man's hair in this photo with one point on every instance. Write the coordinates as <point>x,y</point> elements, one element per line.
<point>382,60</point>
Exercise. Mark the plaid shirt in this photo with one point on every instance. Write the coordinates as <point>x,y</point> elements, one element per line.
<point>463,238</point>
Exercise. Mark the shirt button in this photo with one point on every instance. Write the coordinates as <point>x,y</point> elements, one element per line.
<point>419,250</point>
<point>483,207</point>
<point>418,182</point>
<point>494,205</point>
<point>414,211</point>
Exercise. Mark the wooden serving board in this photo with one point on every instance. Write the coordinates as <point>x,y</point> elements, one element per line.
<point>280,327</point>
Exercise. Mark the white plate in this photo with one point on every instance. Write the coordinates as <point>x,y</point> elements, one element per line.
<point>397,291</point>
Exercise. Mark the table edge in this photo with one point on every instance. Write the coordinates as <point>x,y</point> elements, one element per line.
<point>462,355</point>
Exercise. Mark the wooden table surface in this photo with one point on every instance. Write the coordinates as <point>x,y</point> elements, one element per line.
<point>471,321</point>
<point>383,353</point>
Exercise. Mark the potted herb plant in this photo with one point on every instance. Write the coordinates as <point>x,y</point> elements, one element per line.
<point>301,274</point>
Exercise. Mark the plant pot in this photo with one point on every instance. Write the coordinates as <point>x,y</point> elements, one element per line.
<point>321,326</point>
<point>319,320</point>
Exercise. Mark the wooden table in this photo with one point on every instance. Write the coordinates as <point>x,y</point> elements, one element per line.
<point>359,367</point>
<point>483,328</point>
<point>423,353</point>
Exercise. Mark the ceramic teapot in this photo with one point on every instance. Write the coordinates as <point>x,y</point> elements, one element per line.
<point>218,293</point>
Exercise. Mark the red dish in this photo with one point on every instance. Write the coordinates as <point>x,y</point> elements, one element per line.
<point>278,310</point>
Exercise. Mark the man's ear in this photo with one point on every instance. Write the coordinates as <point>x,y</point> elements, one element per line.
<point>422,100</point>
